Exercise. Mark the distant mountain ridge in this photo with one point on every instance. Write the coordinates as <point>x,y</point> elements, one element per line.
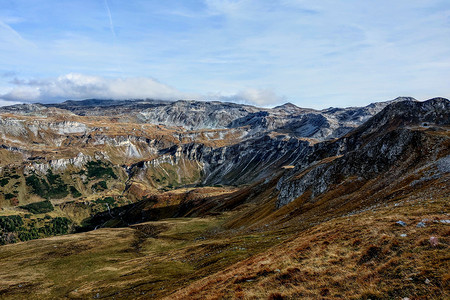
<point>198,115</point>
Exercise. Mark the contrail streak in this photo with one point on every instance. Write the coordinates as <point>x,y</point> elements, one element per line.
<point>111,24</point>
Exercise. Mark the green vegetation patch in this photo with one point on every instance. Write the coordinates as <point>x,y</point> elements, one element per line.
<point>15,228</point>
<point>107,200</point>
<point>98,169</point>
<point>9,196</point>
<point>52,188</point>
<point>39,207</point>
<point>58,225</point>
<point>4,181</point>
<point>10,223</point>
<point>100,186</point>
<point>75,193</point>
<point>29,234</point>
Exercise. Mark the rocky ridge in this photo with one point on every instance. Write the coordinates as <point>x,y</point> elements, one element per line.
<point>395,136</point>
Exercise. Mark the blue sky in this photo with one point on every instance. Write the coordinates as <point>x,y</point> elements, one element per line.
<point>311,53</point>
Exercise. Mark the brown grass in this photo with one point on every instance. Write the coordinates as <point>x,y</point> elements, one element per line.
<point>358,257</point>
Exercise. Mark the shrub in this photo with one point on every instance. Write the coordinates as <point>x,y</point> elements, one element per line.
<point>27,235</point>
<point>4,181</point>
<point>9,196</point>
<point>58,225</point>
<point>107,200</point>
<point>100,186</point>
<point>75,193</point>
<point>38,186</point>
<point>97,169</point>
<point>39,207</point>
<point>10,223</point>
<point>55,188</point>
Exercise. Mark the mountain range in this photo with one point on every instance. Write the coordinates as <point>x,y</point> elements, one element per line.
<point>143,199</point>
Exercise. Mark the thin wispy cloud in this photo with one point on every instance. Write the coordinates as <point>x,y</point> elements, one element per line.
<point>10,37</point>
<point>111,24</point>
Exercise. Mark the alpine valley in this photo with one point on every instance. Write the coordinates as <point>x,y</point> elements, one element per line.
<point>142,199</point>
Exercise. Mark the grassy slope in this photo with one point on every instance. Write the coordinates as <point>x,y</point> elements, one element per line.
<point>150,259</point>
<point>363,256</point>
<point>360,255</point>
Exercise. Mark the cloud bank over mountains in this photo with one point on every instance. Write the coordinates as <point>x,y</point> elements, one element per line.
<point>79,86</point>
<point>75,86</point>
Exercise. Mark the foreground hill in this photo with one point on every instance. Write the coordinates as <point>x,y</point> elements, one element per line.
<point>363,215</point>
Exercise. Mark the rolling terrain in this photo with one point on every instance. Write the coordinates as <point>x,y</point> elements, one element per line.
<point>210,200</point>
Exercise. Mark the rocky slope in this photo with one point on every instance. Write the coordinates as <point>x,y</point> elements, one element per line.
<point>162,144</point>
<point>397,140</point>
<point>404,147</point>
<point>192,115</point>
<point>92,150</point>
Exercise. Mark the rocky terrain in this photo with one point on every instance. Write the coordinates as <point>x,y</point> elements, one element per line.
<point>267,196</point>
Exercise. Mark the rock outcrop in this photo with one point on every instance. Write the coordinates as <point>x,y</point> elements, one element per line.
<point>395,140</point>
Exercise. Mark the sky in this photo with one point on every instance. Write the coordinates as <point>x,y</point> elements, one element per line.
<point>311,53</point>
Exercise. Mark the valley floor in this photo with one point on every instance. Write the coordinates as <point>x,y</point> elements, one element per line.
<point>364,255</point>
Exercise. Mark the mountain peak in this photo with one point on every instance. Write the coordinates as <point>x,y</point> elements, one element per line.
<point>403,98</point>
<point>288,107</point>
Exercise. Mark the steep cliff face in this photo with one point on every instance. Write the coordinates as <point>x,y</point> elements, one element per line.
<point>247,161</point>
<point>404,137</point>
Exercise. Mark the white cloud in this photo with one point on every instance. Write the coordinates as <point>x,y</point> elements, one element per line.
<point>80,86</point>
<point>263,97</point>
<point>259,97</point>
<point>6,103</point>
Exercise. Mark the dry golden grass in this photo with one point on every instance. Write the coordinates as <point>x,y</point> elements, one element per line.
<point>146,260</point>
<point>303,250</point>
<point>358,257</point>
